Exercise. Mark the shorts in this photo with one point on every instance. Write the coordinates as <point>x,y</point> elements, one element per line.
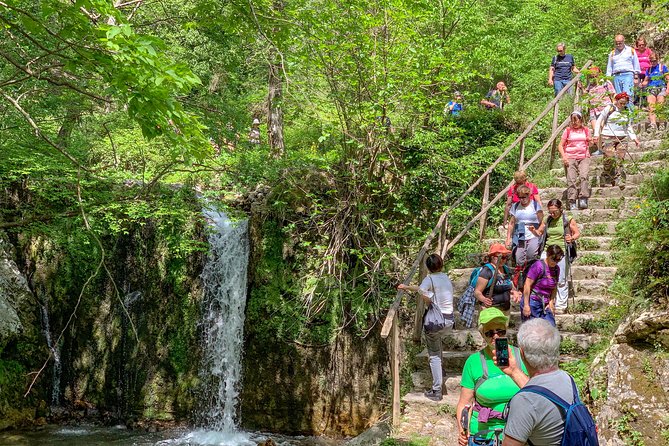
<point>656,91</point>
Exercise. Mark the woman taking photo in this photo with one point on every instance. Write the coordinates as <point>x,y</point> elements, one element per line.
<point>525,225</point>
<point>485,389</point>
<point>541,287</point>
<point>436,289</point>
<point>561,230</point>
<point>574,150</point>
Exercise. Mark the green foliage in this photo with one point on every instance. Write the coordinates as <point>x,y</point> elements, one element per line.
<point>642,243</point>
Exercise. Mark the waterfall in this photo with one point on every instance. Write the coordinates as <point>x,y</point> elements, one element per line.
<point>55,351</point>
<point>224,281</point>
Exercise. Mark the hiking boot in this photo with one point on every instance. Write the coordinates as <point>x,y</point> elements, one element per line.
<point>434,395</point>
<point>572,205</point>
<point>583,203</point>
<point>597,153</point>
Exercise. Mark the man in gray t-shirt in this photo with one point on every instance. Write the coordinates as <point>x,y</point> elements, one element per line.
<point>533,417</point>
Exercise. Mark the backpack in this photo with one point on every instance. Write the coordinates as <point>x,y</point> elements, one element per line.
<point>520,274</point>
<point>467,303</point>
<point>579,426</point>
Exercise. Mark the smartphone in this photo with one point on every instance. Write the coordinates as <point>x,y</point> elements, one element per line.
<point>502,351</point>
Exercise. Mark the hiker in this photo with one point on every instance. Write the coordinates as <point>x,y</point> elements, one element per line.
<point>454,107</point>
<point>656,83</point>
<point>574,149</point>
<point>562,230</point>
<point>561,69</point>
<point>522,232</point>
<point>623,65</point>
<point>599,93</point>
<point>532,417</point>
<point>643,53</point>
<point>497,98</point>
<point>493,286</point>
<point>436,289</point>
<point>484,387</point>
<point>612,130</point>
<point>519,179</point>
<point>540,287</point>
<point>254,134</point>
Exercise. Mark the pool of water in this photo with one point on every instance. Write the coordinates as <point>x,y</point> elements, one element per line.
<point>121,436</point>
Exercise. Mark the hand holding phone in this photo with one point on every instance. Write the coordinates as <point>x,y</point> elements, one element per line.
<point>502,352</point>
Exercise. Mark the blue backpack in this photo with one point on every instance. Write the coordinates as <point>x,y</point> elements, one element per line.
<point>579,427</point>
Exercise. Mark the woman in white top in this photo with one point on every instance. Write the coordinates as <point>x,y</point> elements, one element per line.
<point>437,289</point>
<point>525,225</point>
<point>612,131</point>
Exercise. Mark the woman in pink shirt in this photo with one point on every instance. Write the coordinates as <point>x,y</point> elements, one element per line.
<point>643,53</point>
<point>574,150</point>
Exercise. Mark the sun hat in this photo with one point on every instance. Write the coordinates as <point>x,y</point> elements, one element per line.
<point>256,121</point>
<point>490,314</point>
<point>577,113</point>
<point>498,248</point>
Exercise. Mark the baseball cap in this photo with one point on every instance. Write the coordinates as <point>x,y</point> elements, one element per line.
<point>489,314</point>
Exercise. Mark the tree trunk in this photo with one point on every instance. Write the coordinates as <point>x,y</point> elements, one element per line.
<point>275,93</point>
<point>275,113</point>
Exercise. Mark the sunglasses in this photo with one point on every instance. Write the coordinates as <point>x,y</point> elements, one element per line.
<point>558,258</point>
<point>523,196</point>
<point>498,332</point>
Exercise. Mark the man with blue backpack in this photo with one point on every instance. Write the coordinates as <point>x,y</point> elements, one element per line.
<point>547,410</point>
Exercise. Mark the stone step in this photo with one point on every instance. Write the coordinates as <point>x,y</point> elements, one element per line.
<point>595,229</point>
<point>595,179</point>
<point>596,166</point>
<point>596,192</point>
<point>613,203</point>
<point>596,243</point>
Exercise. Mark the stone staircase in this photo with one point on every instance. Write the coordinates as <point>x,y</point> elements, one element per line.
<point>592,272</point>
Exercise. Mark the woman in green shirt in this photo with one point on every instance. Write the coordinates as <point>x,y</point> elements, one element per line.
<point>560,229</point>
<point>485,388</point>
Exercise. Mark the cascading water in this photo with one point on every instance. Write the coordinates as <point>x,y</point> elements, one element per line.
<point>224,280</point>
<point>55,352</point>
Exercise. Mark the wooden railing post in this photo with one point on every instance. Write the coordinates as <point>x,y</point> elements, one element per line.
<point>521,159</point>
<point>395,361</point>
<point>555,124</point>
<point>484,202</point>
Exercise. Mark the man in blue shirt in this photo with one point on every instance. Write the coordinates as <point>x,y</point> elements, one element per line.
<point>562,67</point>
<point>454,107</point>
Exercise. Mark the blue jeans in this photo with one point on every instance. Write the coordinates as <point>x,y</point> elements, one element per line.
<point>537,310</point>
<point>559,85</point>
<point>625,82</point>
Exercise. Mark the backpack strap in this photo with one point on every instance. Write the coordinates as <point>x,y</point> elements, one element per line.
<point>484,367</point>
<point>552,397</point>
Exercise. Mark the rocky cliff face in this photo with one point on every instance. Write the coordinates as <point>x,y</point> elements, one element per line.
<point>629,382</point>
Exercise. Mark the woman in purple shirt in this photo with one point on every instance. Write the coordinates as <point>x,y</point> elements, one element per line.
<point>541,286</point>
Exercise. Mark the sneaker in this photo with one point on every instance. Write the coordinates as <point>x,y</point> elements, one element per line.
<point>583,203</point>
<point>597,153</point>
<point>434,395</point>
<point>572,205</point>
